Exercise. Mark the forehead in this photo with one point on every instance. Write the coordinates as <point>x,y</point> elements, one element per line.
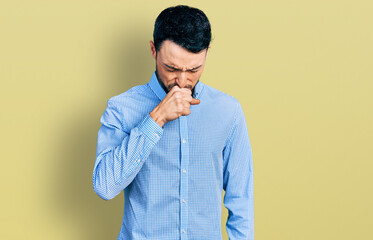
<point>174,55</point>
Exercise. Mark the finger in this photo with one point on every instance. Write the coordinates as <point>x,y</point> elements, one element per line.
<point>186,112</point>
<point>186,90</point>
<point>188,98</point>
<point>174,88</point>
<point>186,105</point>
<point>195,101</point>
<point>191,100</point>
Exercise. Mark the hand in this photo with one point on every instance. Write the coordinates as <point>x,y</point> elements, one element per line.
<point>175,104</point>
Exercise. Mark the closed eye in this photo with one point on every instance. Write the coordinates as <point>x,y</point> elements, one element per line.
<point>172,69</point>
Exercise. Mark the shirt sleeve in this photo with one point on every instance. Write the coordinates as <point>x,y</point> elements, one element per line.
<point>120,154</point>
<point>238,180</point>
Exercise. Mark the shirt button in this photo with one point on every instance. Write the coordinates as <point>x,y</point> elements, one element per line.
<point>184,201</point>
<point>138,160</point>
<point>184,171</point>
<point>184,231</point>
<point>156,135</point>
<point>184,141</point>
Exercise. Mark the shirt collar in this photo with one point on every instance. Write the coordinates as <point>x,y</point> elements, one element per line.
<point>161,93</point>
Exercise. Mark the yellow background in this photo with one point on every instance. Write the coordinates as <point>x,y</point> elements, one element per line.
<point>302,71</point>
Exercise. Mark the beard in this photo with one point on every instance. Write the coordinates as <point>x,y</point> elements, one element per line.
<point>171,85</point>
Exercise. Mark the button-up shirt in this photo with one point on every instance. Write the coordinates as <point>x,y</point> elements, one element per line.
<point>173,176</point>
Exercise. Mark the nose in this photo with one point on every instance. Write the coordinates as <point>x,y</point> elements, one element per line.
<point>181,79</point>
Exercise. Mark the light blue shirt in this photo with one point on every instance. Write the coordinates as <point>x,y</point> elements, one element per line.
<point>173,176</point>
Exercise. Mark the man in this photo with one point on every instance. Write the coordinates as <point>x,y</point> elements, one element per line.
<point>175,143</point>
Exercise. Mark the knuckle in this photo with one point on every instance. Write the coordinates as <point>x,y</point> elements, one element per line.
<point>178,94</point>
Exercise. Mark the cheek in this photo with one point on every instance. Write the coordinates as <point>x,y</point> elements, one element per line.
<point>165,75</point>
<point>195,76</point>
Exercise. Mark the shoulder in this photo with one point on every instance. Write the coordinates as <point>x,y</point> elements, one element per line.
<point>220,105</point>
<point>220,98</point>
<point>130,97</point>
<point>132,105</point>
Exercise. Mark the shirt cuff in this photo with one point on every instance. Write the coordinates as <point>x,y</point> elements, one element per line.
<point>151,129</point>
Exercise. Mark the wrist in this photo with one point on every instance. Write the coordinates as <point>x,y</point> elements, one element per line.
<point>157,117</point>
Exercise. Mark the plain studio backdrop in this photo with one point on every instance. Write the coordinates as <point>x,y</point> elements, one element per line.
<point>302,71</point>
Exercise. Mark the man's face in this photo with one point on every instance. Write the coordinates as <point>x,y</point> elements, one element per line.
<point>177,66</point>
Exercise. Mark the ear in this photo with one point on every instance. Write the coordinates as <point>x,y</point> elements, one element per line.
<point>152,49</point>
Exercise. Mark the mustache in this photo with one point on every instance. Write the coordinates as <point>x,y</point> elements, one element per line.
<point>170,86</point>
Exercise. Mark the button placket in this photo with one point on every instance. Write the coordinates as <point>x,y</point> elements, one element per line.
<point>184,163</point>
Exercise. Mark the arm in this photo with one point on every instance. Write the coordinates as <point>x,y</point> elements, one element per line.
<point>120,154</point>
<point>238,180</point>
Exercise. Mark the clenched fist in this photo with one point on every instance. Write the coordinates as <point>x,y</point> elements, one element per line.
<point>176,103</point>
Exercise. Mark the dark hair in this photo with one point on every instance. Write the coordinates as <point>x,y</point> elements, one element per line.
<point>186,26</point>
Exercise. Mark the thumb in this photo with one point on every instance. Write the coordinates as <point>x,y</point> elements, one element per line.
<point>195,101</point>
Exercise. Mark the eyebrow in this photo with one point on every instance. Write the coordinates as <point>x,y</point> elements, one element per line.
<point>178,69</point>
